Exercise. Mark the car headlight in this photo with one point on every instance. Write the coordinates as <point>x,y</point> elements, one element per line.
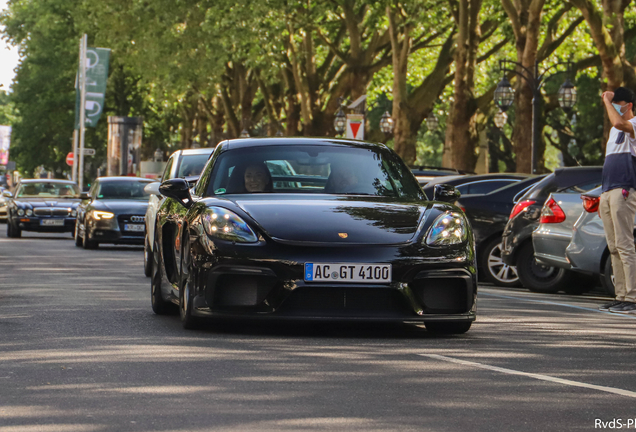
<point>448,229</point>
<point>226,225</point>
<point>98,215</point>
<point>73,213</point>
<point>20,212</point>
<point>29,212</point>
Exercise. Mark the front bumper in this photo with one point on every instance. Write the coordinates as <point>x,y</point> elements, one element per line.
<point>271,285</point>
<point>114,231</point>
<point>34,223</point>
<point>116,237</point>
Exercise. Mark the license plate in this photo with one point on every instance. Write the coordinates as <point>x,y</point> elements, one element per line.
<point>347,273</point>
<point>52,222</point>
<point>134,227</point>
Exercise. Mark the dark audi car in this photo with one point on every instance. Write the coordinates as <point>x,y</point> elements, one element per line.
<point>115,212</point>
<point>345,233</point>
<point>42,206</point>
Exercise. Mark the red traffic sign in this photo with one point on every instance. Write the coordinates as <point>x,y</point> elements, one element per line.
<point>69,159</point>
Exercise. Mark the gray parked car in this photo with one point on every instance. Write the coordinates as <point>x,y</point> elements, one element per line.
<point>551,239</point>
<point>587,252</point>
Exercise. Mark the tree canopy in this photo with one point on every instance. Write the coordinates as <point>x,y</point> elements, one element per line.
<point>200,71</point>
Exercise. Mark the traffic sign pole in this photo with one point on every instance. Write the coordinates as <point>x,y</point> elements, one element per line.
<point>75,144</point>
<point>82,73</point>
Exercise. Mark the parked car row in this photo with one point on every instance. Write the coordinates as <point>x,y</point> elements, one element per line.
<point>539,207</point>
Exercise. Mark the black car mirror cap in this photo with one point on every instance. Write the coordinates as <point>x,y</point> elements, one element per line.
<point>177,189</point>
<point>446,193</point>
<point>7,194</point>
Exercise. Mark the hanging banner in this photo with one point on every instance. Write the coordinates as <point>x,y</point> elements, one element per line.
<point>96,76</point>
<point>5,142</point>
<point>355,126</point>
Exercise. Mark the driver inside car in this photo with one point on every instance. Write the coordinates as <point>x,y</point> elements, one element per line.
<point>342,180</point>
<point>257,178</point>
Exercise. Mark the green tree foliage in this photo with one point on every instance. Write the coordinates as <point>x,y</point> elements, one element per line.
<point>199,71</point>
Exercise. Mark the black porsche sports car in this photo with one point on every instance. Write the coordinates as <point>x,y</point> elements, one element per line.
<point>42,205</point>
<point>347,234</point>
<point>114,212</point>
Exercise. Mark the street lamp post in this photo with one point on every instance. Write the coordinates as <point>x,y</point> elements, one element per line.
<point>504,94</point>
<point>386,123</point>
<point>340,120</point>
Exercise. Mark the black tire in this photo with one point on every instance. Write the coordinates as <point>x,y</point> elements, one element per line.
<point>147,258</point>
<point>186,293</point>
<point>441,327</point>
<point>159,305</point>
<point>539,278</point>
<point>13,231</point>
<point>607,278</point>
<point>189,321</point>
<point>89,243</point>
<point>493,267</point>
<point>78,240</point>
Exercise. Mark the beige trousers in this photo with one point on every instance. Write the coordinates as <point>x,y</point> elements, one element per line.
<point>618,215</point>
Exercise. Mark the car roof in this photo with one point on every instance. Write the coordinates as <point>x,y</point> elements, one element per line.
<point>457,179</point>
<point>46,181</point>
<point>122,178</point>
<point>263,142</point>
<point>195,151</point>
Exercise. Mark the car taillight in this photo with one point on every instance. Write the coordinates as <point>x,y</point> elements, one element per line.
<point>552,213</point>
<point>520,206</point>
<point>590,204</point>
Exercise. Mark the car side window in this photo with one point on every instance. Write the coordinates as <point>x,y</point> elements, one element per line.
<point>166,172</point>
<point>93,190</point>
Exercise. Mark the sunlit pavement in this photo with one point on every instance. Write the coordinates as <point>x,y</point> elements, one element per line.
<point>81,350</point>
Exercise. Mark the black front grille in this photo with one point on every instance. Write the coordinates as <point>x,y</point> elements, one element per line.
<point>443,294</point>
<point>346,302</point>
<point>51,211</point>
<point>131,219</point>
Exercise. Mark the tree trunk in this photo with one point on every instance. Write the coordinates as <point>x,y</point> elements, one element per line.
<point>525,17</point>
<point>461,135</point>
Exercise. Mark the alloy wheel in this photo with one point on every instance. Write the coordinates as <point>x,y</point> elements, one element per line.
<point>500,270</point>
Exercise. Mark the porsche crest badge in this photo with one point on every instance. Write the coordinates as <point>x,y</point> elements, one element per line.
<point>343,235</point>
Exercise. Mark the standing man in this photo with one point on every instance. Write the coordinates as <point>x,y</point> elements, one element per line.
<point>618,200</point>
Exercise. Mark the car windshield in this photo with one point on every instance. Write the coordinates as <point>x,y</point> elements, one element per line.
<point>47,190</point>
<point>123,190</point>
<point>337,170</point>
<point>192,165</point>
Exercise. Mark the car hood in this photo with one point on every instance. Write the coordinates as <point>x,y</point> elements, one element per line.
<point>48,202</point>
<point>346,220</point>
<point>122,206</point>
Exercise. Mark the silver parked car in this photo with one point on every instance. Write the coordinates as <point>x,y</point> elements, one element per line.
<point>554,233</point>
<point>551,239</point>
<point>588,252</point>
<point>188,164</point>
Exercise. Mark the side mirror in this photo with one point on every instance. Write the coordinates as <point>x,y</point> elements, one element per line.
<point>192,180</point>
<point>446,193</point>
<point>7,194</point>
<point>85,195</point>
<point>177,189</point>
<point>153,188</point>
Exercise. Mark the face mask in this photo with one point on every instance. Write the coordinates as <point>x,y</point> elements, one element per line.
<point>618,109</point>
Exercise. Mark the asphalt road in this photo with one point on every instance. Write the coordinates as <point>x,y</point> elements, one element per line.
<point>81,350</point>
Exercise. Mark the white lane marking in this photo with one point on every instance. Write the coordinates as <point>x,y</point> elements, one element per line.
<point>548,378</point>
<point>556,304</point>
